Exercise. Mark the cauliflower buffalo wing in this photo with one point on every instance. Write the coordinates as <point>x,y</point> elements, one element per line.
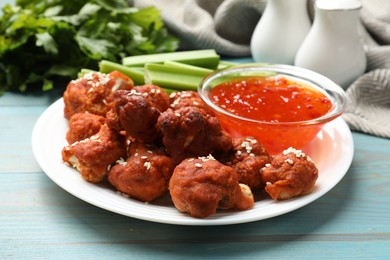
<point>191,132</point>
<point>188,98</point>
<point>290,174</point>
<point>136,111</point>
<point>93,156</point>
<point>144,175</point>
<point>247,158</point>
<point>200,186</point>
<point>93,92</point>
<point>83,125</point>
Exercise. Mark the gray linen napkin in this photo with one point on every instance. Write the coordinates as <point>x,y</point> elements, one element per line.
<point>227,26</point>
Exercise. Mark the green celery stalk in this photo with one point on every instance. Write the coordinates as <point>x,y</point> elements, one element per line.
<point>201,58</point>
<point>135,73</point>
<point>169,90</point>
<point>225,64</point>
<point>192,68</point>
<point>178,78</point>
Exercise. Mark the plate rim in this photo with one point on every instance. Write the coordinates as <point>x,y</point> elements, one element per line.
<point>217,219</point>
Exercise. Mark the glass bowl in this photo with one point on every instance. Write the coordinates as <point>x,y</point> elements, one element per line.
<point>276,136</point>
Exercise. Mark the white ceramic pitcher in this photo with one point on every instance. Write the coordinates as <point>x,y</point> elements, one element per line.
<point>280,31</point>
<point>333,46</point>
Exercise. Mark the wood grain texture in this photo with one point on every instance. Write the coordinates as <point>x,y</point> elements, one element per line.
<point>39,220</point>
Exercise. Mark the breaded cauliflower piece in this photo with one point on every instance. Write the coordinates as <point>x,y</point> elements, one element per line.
<point>144,175</point>
<point>290,174</point>
<point>247,157</point>
<point>93,156</point>
<point>191,132</point>
<point>83,125</point>
<point>200,186</point>
<point>136,111</point>
<point>93,92</point>
<point>187,98</point>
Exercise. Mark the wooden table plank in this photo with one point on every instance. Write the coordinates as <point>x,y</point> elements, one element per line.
<point>15,138</point>
<point>39,220</point>
<point>23,100</point>
<point>49,219</point>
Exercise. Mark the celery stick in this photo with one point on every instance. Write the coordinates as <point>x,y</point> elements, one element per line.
<point>173,78</point>
<point>224,64</point>
<point>191,68</point>
<point>135,73</point>
<point>169,90</point>
<point>202,58</point>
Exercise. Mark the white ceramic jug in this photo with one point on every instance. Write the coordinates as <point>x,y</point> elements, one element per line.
<point>333,46</point>
<point>280,31</point>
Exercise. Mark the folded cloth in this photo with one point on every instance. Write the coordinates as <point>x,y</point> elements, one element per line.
<point>368,98</point>
<point>223,25</point>
<point>227,26</point>
<point>368,106</point>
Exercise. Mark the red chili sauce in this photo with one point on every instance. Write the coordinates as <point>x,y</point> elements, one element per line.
<point>272,99</point>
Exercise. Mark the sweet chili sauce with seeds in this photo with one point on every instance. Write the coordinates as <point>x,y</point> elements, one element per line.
<point>272,99</point>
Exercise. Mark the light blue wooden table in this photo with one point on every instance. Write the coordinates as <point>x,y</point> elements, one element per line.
<point>38,219</point>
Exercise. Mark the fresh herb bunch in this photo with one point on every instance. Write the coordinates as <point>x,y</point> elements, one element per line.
<point>47,41</point>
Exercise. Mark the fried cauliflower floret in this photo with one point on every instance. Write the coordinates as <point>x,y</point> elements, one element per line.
<point>144,175</point>
<point>93,92</point>
<point>201,186</point>
<point>136,111</point>
<point>93,156</point>
<point>191,132</point>
<point>187,98</point>
<point>83,125</point>
<point>290,174</point>
<point>247,158</point>
<point>156,96</point>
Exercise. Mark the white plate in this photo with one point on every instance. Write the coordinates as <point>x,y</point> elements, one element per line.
<point>332,151</point>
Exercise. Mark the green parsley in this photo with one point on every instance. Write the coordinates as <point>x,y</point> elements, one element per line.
<point>48,41</point>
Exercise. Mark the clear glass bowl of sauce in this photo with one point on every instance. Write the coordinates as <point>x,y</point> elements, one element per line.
<point>280,105</point>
